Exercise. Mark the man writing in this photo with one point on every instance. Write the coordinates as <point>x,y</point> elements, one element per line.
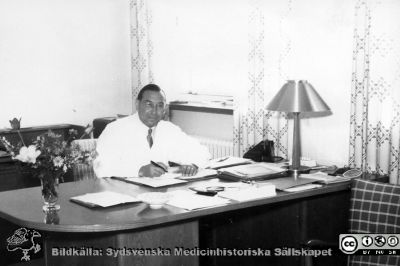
<point>143,144</point>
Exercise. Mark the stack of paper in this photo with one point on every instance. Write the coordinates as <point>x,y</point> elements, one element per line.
<point>255,171</point>
<point>103,199</point>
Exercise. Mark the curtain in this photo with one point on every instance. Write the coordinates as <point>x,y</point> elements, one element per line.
<point>266,74</point>
<point>141,46</point>
<point>375,109</point>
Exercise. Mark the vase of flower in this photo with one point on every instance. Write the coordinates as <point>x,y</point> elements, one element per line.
<point>50,193</point>
<point>48,158</point>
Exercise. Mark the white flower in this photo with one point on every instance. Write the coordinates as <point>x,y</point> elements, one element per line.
<point>58,161</point>
<point>28,154</point>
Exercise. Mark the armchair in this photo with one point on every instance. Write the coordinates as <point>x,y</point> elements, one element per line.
<point>374,208</point>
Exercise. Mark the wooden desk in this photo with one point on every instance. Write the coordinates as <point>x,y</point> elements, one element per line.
<point>281,221</point>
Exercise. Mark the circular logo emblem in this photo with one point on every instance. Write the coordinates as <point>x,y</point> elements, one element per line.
<point>392,241</point>
<point>380,241</point>
<point>348,244</point>
<point>367,241</point>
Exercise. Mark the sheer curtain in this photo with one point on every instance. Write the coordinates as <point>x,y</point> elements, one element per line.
<point>141,46</point>
<point>268,47</point>
<point>375,96</point>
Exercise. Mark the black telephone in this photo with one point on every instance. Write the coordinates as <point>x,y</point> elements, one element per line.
<point>347,172</point>
<point>262,152</point>
<point>340,171</point>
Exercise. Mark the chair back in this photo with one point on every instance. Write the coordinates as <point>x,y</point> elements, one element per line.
<point>84,171</point>
<point>374,209</point>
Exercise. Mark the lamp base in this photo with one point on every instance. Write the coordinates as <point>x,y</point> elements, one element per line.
<point>296,172</point>
<point>302,169</point>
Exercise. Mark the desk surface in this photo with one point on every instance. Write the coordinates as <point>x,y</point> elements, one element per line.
<point>24,207</point>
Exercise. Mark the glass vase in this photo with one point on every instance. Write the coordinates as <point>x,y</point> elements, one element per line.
<point>50,190</point>
<point>51,217</point>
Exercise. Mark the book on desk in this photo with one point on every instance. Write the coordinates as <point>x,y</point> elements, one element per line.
<point>252,172</point>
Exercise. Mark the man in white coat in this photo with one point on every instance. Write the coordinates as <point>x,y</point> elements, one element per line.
<point>143,144</point>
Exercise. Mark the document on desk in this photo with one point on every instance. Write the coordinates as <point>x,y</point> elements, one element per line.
<point>302,188</point>
<point>191,201</point>
<point>324,178</point>
<point>250,193</point>
<point>103,199</point>
<point>201,175</point>
<point>166,179</point>
<point>251,172</point>
<point>289,182</point>
<point>227,161</point>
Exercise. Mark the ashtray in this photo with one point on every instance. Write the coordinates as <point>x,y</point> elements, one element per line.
<point>155,199</point>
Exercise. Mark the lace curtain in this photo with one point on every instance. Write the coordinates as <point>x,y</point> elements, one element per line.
<point>375,109</point>
<point>266,74</point>
<point>141,46</point>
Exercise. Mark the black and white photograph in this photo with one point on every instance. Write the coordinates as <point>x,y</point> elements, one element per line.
<point>200,132</point>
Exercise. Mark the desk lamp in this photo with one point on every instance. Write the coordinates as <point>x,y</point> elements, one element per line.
<point>297,96</point>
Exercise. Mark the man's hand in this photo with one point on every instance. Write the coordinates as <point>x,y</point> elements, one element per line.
<point>150,170</point>
<point>188,169</point>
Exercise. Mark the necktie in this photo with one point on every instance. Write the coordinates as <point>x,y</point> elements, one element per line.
<point>150,137</point>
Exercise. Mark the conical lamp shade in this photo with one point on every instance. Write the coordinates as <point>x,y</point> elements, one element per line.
<point>297,96</point>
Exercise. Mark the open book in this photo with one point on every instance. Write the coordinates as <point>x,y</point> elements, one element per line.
<point>252,172</point>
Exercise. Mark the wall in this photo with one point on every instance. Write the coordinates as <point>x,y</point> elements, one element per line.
<point>322,51</point>
<point>204,124</point>
<point>64,61</point>
<point>203,46</point>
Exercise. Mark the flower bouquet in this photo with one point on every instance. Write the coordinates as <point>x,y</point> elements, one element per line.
<point>49,158</point>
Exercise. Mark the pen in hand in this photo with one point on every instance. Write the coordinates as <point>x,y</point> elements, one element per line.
<point>159,165</point>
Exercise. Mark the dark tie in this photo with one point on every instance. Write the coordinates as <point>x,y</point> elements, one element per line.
<point>150,138</point>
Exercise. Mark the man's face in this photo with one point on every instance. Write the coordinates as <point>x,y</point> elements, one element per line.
<point>151,108</point>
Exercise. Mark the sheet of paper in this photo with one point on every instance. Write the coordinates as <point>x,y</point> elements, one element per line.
<point>288,182</point>
<point>325,178</point>
<point>201,174</point>
<point>226,162</point>
<point>251,193</point>
<point>302,187</point>
<point>104,199</point>
<point>190,201</point>
<point>162,181</point>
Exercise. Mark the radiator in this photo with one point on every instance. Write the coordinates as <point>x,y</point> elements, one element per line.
<point>218,148</point>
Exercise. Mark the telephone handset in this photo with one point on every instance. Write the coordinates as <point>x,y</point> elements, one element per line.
<point>347,172</point>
